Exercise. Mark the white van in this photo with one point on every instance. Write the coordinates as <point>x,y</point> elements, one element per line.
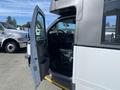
<point>76,50</point>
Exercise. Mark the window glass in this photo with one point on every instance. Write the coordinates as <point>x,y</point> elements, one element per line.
<point>39,31</point>
<point>110,28</point>
<point>66,26</point>
<point>111,25</point>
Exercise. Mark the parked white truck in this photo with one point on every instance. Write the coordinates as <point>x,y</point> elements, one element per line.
<point>12,39</point>
<point>81,49</point>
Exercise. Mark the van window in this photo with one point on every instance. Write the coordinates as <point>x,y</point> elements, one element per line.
<point>66,26</point>
<point>111,22</point>
<point>39,31</point>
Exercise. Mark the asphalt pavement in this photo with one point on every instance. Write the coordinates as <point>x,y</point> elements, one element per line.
<point>15,74</point>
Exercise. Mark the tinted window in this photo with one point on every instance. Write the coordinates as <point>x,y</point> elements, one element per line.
<point>111,24</point>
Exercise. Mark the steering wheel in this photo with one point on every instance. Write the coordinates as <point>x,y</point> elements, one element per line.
<point>60,31</point>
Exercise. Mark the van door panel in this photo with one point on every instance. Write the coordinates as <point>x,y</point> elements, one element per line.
<point>39,57</point>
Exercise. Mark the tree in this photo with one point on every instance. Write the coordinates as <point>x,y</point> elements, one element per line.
<point>107,24</point>
<point>27,25</point>
<point>14,23</point>
<point>11,21</point>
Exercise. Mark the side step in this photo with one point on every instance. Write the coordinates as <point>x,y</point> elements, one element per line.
<point>48,78</point>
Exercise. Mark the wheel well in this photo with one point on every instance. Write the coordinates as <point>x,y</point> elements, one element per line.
<point>9,40</point>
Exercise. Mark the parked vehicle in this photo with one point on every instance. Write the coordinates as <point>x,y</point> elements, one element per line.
<point>80,50</point>
<point>12,39</point>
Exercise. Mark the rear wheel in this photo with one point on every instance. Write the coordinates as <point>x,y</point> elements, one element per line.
<point>10,47</point>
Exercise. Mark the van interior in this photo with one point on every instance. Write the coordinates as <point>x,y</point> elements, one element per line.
<point>60,46</point>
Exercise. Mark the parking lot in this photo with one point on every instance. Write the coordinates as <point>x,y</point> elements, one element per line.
<point>15,74</point>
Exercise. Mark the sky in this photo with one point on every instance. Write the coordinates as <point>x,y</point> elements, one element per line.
<point>22,10</point>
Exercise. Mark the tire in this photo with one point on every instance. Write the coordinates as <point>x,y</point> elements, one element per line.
<point>11,47</point>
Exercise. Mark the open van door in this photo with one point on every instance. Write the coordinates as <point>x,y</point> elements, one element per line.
<point>39,56</point>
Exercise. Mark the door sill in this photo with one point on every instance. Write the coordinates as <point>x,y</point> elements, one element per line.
<point>62,79</point>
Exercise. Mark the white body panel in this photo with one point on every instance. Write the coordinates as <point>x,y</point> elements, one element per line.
<point>66,4</point>
<point>55,5</point>
<point>96,68</point>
